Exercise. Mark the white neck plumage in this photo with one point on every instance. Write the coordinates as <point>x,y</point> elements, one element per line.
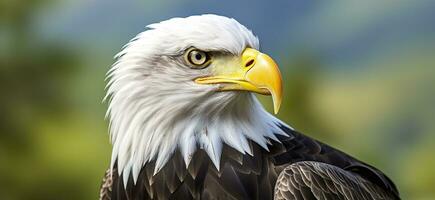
<point>144,128</point>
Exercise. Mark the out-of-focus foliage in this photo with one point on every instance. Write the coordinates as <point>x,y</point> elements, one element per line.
<point>358,75</point>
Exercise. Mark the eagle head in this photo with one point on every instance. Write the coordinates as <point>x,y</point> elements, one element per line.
<point>187,84</point>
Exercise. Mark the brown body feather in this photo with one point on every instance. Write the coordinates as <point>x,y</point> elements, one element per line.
<point>254,177</point>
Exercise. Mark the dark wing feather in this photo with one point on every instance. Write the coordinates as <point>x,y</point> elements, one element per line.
<point>325,169</point>
<point>315,180</point>
<point>106,186</point>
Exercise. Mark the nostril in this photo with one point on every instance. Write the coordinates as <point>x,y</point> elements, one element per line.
<point>249,63</point>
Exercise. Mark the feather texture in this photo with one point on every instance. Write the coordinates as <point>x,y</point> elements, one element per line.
<point>307,169</point>
<point>317,180</point>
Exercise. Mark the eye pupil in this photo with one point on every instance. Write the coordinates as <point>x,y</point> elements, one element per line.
<point>198,56</point>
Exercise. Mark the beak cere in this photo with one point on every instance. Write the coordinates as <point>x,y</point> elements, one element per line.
<point>257,72</point>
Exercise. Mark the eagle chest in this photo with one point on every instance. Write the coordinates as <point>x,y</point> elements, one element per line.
<point>240,177</point>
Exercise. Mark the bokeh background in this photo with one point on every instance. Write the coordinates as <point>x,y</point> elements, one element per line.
<point>359,75</point>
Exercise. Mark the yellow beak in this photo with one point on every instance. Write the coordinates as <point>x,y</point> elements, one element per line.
<point>257,72</point>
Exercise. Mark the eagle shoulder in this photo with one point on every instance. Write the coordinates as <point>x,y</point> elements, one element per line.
<point>300,154</point>
<point>316,180</point>
<point>106,186</point>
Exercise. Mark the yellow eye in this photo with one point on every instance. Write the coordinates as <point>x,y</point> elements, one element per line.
<point>197,58</point>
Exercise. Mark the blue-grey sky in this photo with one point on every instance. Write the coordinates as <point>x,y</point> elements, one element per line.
<point>336,32</point>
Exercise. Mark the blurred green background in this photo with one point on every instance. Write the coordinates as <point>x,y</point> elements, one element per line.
<point>358,75</point>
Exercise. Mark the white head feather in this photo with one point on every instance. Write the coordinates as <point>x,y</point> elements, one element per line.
<point>156,108</point>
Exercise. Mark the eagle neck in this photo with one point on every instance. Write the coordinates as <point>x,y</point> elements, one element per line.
<point>208,122</point>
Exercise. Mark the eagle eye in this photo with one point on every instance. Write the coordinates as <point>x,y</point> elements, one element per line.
<point>197,58</point>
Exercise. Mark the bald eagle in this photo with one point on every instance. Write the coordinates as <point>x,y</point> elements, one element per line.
<point>185,124</point>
